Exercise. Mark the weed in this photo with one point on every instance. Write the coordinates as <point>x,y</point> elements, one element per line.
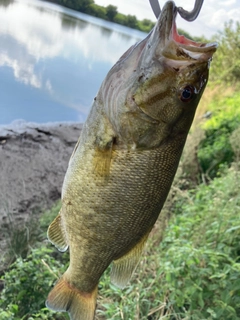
<point>19,238</point>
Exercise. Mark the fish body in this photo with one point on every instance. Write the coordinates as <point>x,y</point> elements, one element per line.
<point>123,165</point>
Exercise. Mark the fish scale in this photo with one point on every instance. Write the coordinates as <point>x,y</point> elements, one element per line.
<point>146,210</point>
<point>123,165</point>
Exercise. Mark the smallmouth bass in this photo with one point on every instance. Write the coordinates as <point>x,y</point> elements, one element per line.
<point>123,165</point>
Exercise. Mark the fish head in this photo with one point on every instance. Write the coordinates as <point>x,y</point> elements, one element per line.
<point>153,90</point>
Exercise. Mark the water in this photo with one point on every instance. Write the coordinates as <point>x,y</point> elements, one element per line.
<point>53,60</point>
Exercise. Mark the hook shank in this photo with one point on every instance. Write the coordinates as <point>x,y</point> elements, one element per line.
<point>155,7</point>
<point>187,15</point>
<point>192,15</point>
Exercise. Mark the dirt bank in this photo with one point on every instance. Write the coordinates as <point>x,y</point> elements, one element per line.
<point>33,162</point>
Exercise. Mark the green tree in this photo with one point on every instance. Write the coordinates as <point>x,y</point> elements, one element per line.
<point>97,11</point>
<point>148,23</point>
<point>145,25</point>
<point>79,5</point>
<point>120,19</point>
<point>111,12</point>
<point>132,21</point>
<point>83,5</point>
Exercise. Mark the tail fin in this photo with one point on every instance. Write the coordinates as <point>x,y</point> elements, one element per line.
<point>79,305</point>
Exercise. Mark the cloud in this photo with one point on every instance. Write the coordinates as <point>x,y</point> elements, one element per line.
<point>44,37</point>
<point>224,15</point>
<point>227,3</point>
<point>35,38</point>
<point>23,71</point>
<point>48,86</point>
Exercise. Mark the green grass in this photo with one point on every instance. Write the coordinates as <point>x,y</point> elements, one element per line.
<point>215,150</point>
<point>193,273</point>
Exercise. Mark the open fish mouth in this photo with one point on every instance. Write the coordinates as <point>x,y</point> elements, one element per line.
<point>165,40</point>
<point>152,70</point>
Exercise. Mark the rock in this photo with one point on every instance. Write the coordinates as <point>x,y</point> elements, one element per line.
<point>33,162</point>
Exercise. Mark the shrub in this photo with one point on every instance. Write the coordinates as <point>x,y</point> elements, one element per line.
<point>226,66</point>
<point>215,150</point>
<point>194,272</point>
<point>26,286</point>
<point>19,237</point>
<point>9,312</point>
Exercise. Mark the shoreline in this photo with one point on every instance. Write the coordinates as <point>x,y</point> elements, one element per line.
<point>33,161</point>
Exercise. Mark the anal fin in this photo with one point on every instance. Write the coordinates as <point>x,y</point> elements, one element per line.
<point>56,234</point>
<point>123,268</point>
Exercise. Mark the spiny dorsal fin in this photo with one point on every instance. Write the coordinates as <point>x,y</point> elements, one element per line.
<point>123,268</point>
<point>56,234</point>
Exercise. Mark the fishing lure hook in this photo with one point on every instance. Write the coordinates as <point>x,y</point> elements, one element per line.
<point>155,7</point>
<point>192,15</point>
<point>187,15</point>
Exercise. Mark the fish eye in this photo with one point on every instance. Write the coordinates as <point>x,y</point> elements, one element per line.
<point>187,93</point>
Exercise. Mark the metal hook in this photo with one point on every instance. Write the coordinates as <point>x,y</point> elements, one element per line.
<point>155,7</point>
<point>192,15</point>
<point>189,16</point>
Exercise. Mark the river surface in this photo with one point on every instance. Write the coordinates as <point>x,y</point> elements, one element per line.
<point>53,60</point>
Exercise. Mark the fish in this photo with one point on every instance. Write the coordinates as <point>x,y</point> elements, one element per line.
<point>123,165</point>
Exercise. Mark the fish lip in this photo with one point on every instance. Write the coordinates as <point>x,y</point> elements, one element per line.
<point>166,41</point>
<point>189,45</point>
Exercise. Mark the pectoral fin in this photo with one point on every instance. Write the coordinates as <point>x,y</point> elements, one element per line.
<point>56,234</point>
<point>102,157</point>
<point>75,148</point>
<point>123,268</point>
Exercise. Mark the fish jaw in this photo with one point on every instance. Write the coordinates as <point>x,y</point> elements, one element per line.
<point>165,42</point>
<point>141,95</point>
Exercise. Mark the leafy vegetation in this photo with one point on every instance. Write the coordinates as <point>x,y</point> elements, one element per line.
<point>215,149</point>
<point>192,272</point>
<point>226,68</point>
<point>27,283</point>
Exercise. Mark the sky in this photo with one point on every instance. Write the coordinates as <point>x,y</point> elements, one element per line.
<point>210,20</point>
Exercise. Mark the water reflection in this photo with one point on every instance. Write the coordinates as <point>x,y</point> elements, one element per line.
<point>54,59</point>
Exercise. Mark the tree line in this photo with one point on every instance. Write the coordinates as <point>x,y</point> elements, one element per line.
<point>109,13</point>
